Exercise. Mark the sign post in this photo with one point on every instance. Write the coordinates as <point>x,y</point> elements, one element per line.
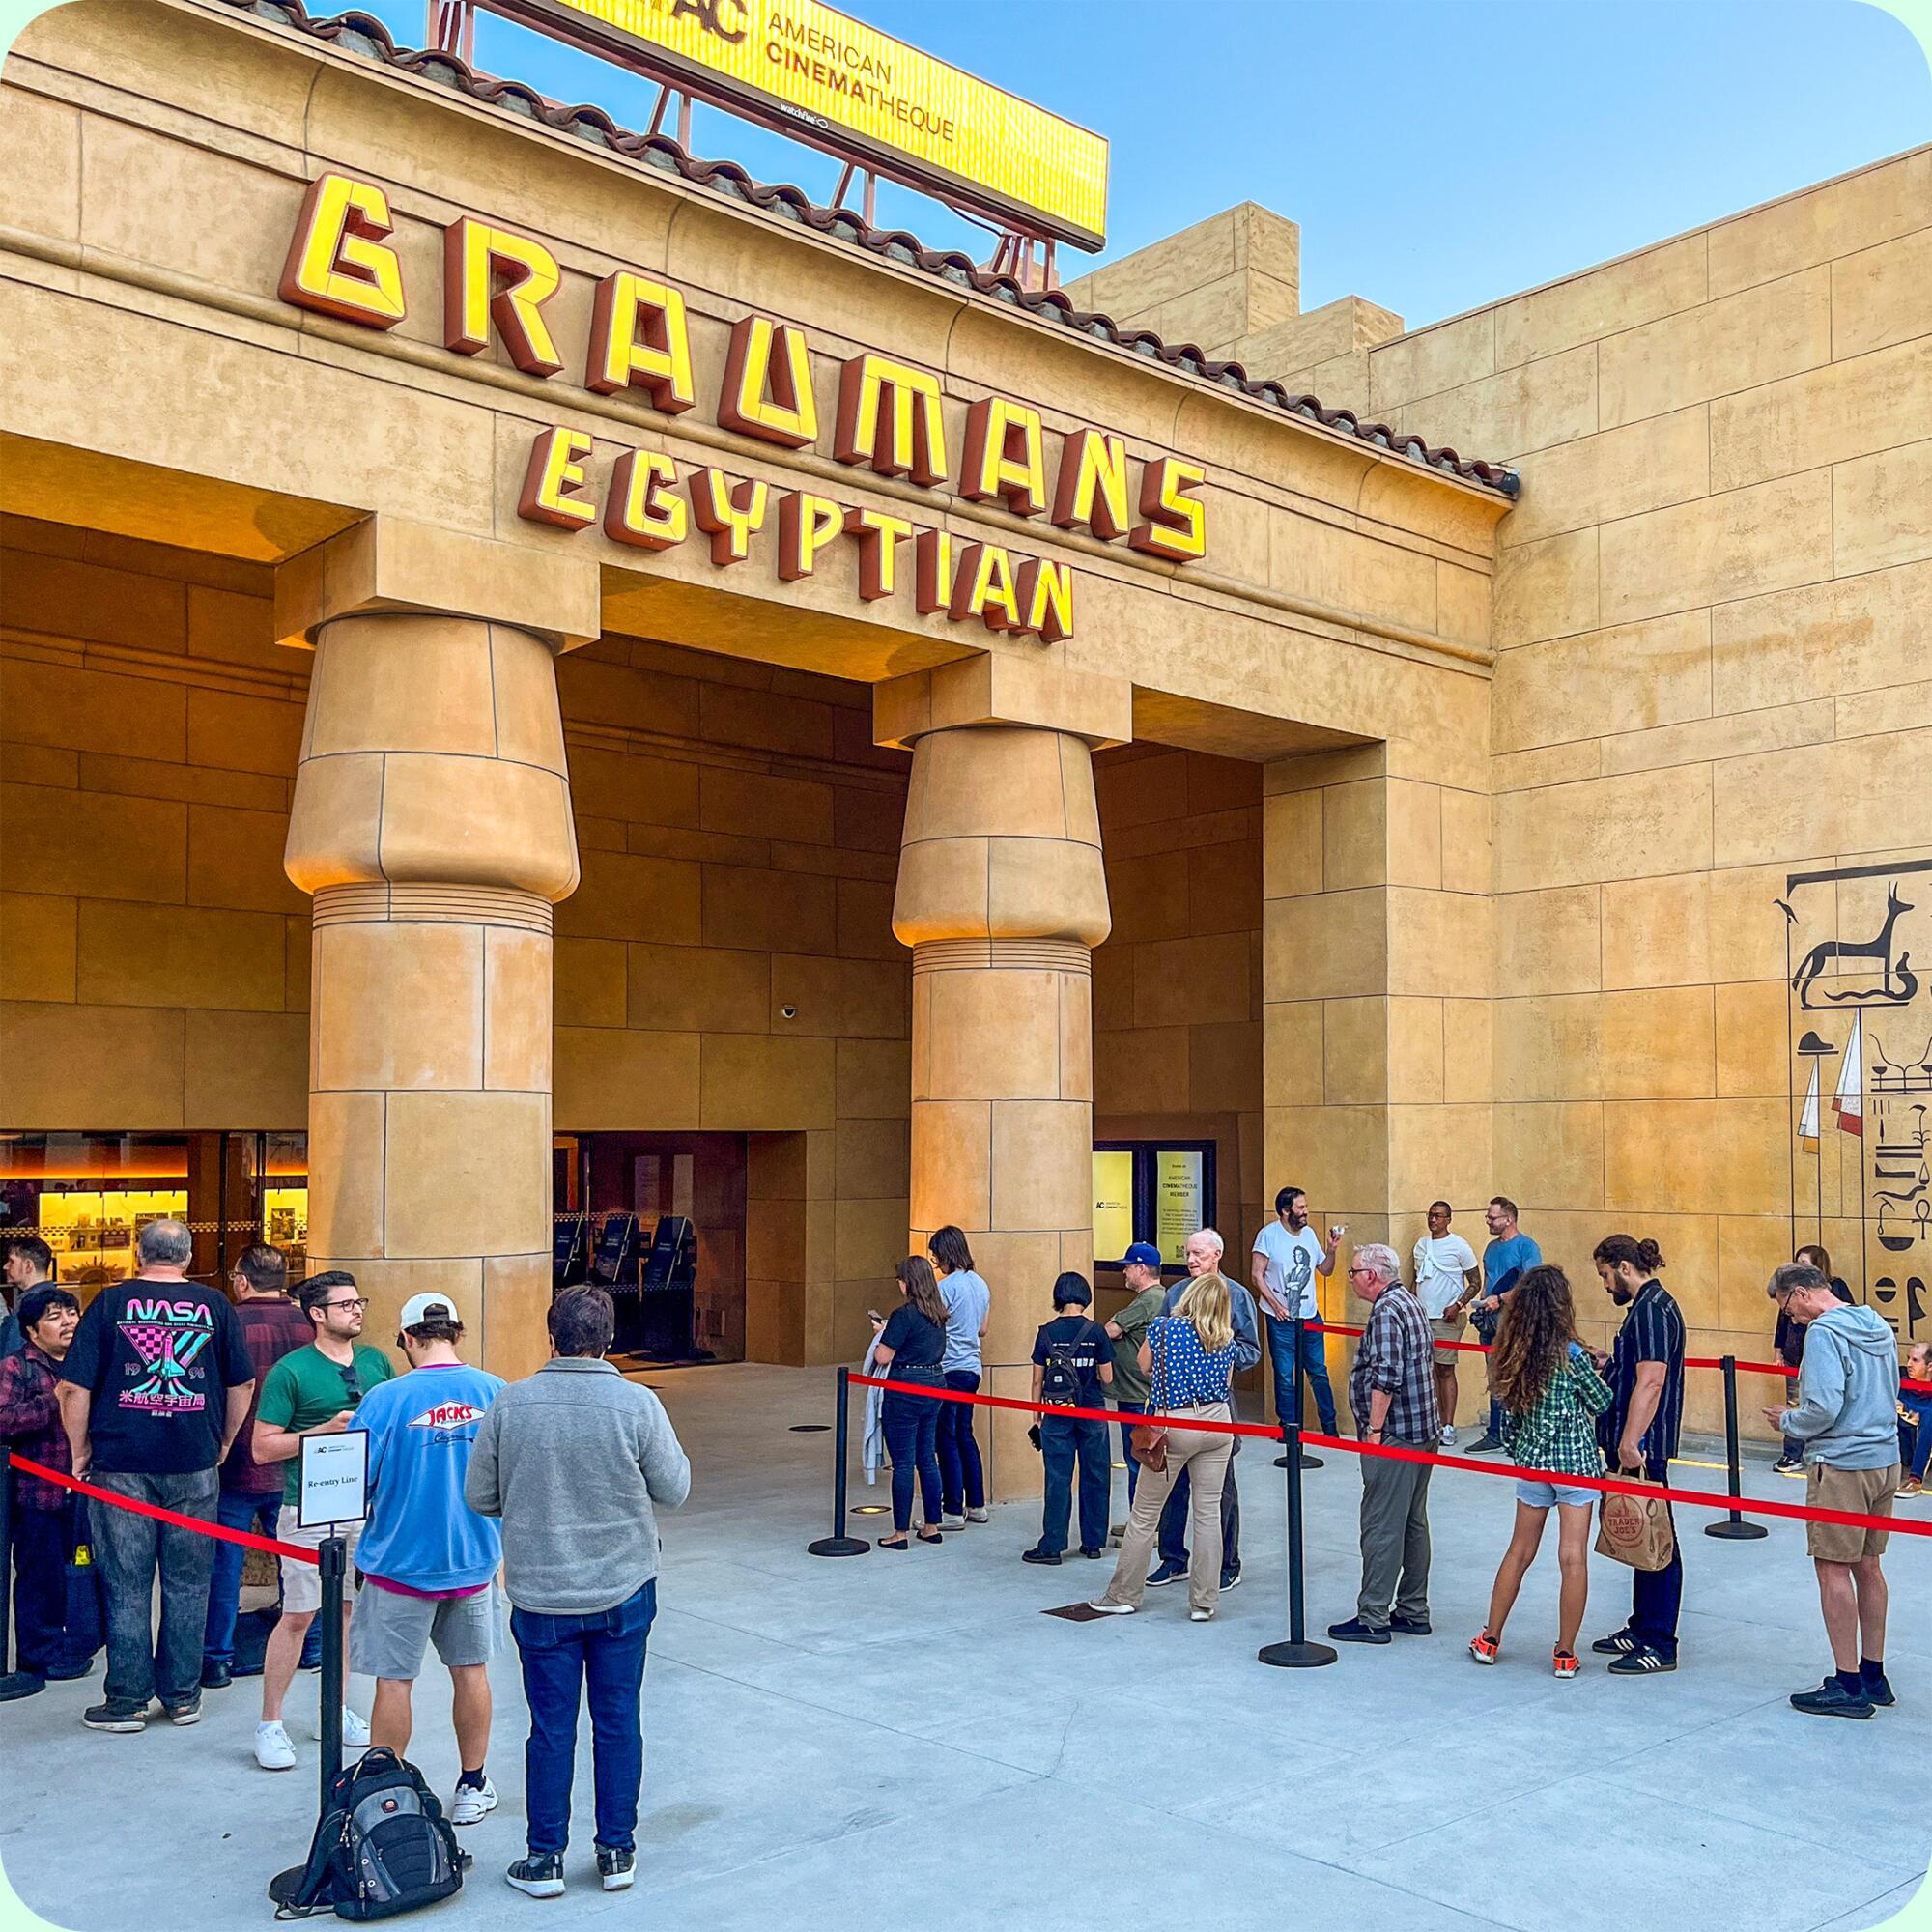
<point>333,1489</point>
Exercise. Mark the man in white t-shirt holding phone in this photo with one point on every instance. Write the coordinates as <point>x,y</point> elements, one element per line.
<point>1286,1258</point>
<point>1447,1280</point>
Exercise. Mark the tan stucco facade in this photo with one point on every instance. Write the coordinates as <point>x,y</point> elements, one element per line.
<point>1407,842</point>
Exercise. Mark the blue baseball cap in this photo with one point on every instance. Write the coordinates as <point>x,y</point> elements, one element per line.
<point>1143,1252</point>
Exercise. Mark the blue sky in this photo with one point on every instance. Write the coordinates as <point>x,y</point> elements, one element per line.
<point>1436,156</point>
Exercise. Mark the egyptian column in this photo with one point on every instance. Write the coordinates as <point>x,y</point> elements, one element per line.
<point>1002,897</point>
<point>431,825</point>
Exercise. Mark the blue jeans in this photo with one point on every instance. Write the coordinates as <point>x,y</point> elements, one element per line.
<point>1314,1365</point>
<point>1915,1434</point>
<point>563,1658</point>
<point>233,1509</point>
<point>1128,1444</point>
<point>1063,1438</point>
<point>962,1477</point>
<point>130,1548</point>
<point>911,1425</point>
<point>44,1541</point>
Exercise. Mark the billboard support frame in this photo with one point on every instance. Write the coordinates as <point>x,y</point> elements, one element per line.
<point>1023,249</point>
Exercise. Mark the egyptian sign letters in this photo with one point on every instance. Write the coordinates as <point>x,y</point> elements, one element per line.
<point>889,418</point>
<point>1862,1079</point>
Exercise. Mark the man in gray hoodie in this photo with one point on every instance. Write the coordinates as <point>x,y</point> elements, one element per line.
<point>577,1462</point>
<point>1846,1420</point>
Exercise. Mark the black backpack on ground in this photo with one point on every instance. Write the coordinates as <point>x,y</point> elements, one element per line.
<point>382,1846</point>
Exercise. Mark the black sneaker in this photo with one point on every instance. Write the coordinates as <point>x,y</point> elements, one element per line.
<point>185,1714</point>
<point>541,1874</point>
<point>1619,1643</point>
<point>1230,1579</point>
<point>1878,1690</point>
<point>117,1714</point>
<point>1164,1574</point>
<point>1411,1626</point>
<point>617,1869</point>
<point>1483,1444</point>
<point>1090,1555</point>
<point>1039,1555</point>
<point>1355,1630</point>
<point>1832,1700</point>
<point>1787,1466</point>
<point>18,1684</point>
<point>1642,1662</point>
<point>216,1675</point>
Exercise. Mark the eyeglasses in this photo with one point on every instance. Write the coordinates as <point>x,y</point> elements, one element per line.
<point>357,1302</point>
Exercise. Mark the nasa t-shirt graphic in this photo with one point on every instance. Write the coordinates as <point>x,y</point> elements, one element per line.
<point>159,1358</point>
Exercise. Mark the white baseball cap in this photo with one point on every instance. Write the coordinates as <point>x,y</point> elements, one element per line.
<point>420,1308</point>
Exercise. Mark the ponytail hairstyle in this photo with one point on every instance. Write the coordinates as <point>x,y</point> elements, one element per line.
<point>1619,1250</point>
<point>915,1277</point>
<point>1533,1342</point>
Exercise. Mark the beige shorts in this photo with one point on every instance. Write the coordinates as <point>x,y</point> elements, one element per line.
<point>1862,1492</point>
<point>1446,1330</point>
<point>301,1582</point>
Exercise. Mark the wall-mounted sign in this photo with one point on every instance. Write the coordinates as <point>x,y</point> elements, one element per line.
<point>889,417</point>
<point>1179,1200</point>
<point>332,1479</point>
<point>1113,1203</point>
<point>797,63</point>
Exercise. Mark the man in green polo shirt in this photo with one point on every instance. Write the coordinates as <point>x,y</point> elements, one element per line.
<point>311,1391</point>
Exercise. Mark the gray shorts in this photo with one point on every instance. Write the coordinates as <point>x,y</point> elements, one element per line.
<point>389,1635</point>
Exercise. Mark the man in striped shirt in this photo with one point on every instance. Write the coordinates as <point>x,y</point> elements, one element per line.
<point>1392,1392</point>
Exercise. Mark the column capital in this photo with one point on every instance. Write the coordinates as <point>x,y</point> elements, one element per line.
<point>389,564</point>
<point>1004,688</point>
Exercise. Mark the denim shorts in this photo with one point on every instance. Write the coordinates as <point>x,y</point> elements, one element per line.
<point>1543,1496</point>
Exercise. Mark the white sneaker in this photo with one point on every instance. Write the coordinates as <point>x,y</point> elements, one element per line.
<point>953,1523</point>
<point>355,1731</point>
<point>1106,1609</point>
<point>1201,1616</point>
<point>978,1515</point>
<point>273,1749</point>
<point>472,1804</point>
<point>1448,1438</point>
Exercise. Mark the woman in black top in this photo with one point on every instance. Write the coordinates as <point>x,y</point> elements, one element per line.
<point>912,1344</point>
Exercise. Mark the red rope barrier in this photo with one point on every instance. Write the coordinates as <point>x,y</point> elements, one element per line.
<point>1608,1485</point>
<point>1689,1362</point>
<point>246,1538</point>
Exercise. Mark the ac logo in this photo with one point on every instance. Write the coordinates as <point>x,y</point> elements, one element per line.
<point>709,14</point>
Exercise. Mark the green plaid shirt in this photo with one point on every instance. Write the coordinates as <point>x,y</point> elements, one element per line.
<point>1559,1429</point>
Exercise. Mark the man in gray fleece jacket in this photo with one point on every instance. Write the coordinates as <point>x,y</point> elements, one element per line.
<point>577,1462</point>
<point>1846,1420</point>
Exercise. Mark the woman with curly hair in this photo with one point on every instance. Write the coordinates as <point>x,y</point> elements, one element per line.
<point>1551,1395</point>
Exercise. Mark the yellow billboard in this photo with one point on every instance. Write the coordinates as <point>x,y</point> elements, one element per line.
<point>813,71</point>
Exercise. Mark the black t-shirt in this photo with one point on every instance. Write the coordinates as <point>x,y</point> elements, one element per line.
<point>918,1344</point>
<point>1090,1347</point>
<point>159,1358</point>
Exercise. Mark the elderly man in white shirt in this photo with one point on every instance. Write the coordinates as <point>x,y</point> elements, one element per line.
<point>1447,1279</point>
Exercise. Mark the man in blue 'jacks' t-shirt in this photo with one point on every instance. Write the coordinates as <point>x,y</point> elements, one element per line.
<point>428,1559</point>
<point>1510,1255</point>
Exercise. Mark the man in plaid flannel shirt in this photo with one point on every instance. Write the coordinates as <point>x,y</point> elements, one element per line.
<point>1392,1392</point>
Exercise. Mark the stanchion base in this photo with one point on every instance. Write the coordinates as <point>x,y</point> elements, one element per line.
<point>1308,1461</point>
<point>1736,1532</point>
<point>285,1886</point>
<point>837,1546</point>
<point>1293,1656</point>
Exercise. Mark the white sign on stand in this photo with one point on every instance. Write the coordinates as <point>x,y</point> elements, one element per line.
<point>334,1479</point>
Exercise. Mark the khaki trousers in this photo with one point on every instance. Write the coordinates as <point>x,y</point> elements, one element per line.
<point>1204,1454</point>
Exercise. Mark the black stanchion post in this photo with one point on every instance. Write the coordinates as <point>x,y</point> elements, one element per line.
<point>1736,1529</point>
<point>838,1544</point>
<point>333,1553</point>
<point>1298,1652</point>
<point>1294,1332</point>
